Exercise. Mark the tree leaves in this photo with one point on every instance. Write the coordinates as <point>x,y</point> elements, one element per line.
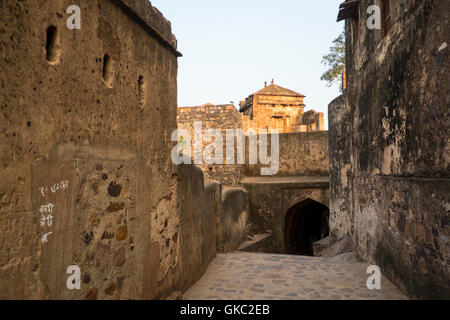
<point>335,60</point>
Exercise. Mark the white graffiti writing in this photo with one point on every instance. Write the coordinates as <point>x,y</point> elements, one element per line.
<point>44,238</point>
<point>56,187</point>
<point>46,221</point>
<point>43,191</point>
<point>48,208</point>
<point>60,186</point>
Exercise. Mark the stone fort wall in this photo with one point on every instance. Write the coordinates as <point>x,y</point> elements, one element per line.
<point>301,153</point>
<point>220,117</point>
<point>77,106</point>
<point>86,174</point>
<point>389,152</point>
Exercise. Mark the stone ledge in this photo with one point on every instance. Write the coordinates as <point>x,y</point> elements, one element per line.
<point>152,20</point>
<point>253,245</point>
<point>290,182</point>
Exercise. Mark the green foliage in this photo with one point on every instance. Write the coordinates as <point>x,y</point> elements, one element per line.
<point>335,61</point>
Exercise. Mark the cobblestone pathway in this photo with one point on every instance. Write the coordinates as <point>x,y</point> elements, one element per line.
<point>257,276</point>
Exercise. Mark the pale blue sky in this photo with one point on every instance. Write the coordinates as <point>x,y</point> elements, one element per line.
<point>231,47</point>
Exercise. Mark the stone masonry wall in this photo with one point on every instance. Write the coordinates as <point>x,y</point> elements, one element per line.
<point>234,218</point>
<point>390,149</point>
<point>340,169</point>
<point>220,117</point>
<point>197,233</point>
<point>107,91</point>
<point>313,120</point>
<point>271,200</point>
<point>301,154</point>
<point>211,221</point>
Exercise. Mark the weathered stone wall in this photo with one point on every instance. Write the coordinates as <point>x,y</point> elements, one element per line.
<point>214,193</point>
<point>209,221</point>
<point>97,222</point>
<point>235,210</point>
<point>102,137</point>
<point>393,122</point>
<point>314,121</point>
<point>213,116</point>
<point>271,198</point>
<point>220,117</point>
<point>301,154</point>
<point>197,233</point>
<point>303,174</point>
<point>340,169</point>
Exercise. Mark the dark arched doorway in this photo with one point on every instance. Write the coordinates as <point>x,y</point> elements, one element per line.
<point>306,223</point>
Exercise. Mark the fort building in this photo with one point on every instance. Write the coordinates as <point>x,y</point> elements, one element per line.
<point>277,108</point>
<point>87,177</point>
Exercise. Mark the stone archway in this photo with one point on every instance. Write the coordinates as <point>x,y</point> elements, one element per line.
<point>306,222</point>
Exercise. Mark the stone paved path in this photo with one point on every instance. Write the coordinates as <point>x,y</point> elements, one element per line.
<point>259,276</point>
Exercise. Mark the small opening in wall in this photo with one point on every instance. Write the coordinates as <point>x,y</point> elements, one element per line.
<point>385,17</point>
<point>52,47</point>
<point>141,91</point>
<point>355,27</point>
<point>108,70</point>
